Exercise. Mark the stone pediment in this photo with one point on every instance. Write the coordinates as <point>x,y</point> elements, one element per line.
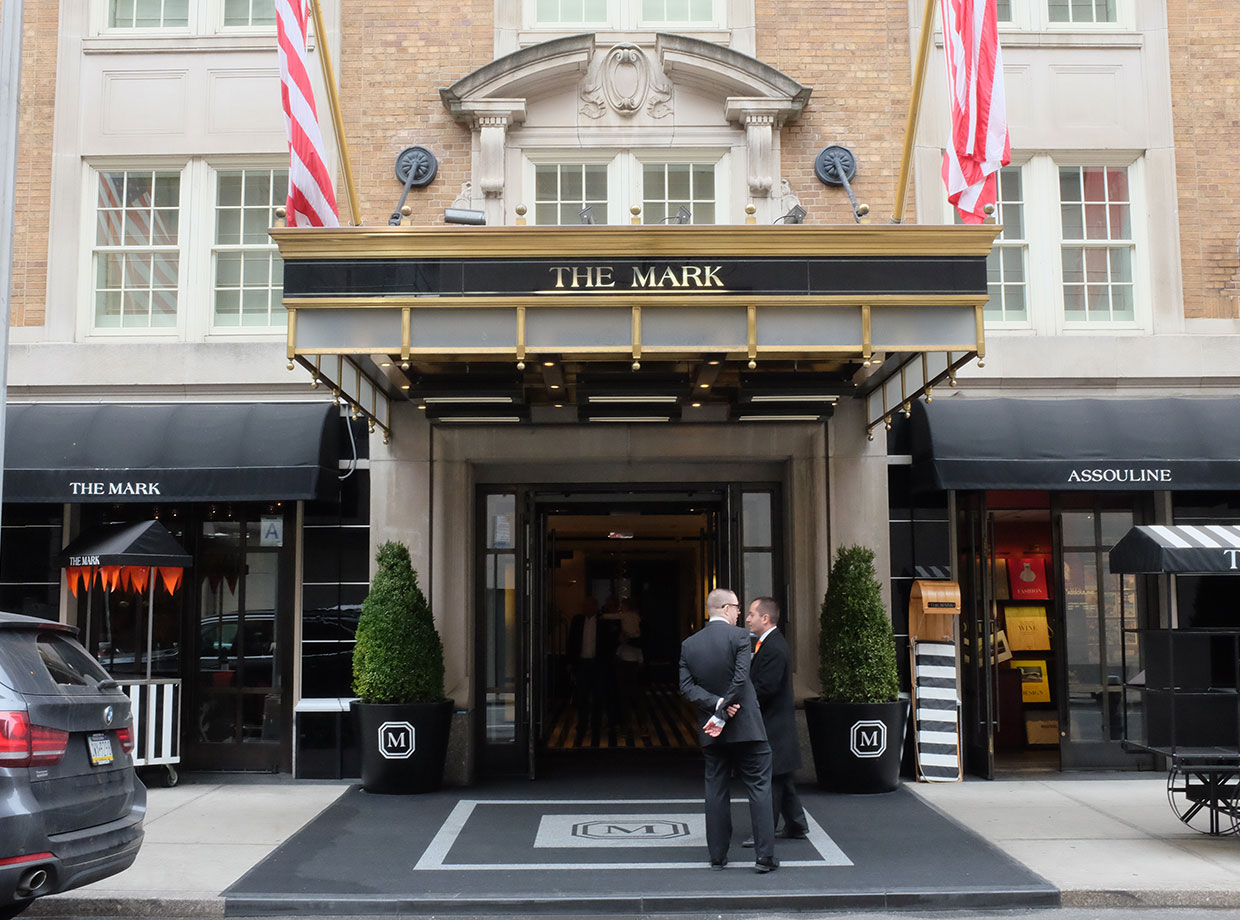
<point>626,79</point>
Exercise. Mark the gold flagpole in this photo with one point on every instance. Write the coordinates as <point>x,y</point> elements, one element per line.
<point>914,109</point>
<point>333,99</point>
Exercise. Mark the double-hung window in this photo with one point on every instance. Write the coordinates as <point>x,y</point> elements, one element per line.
<point>1096,222</point>
<point>1007,276</point>
<point>249,274</point>
<point>185,251</point>
<point>1066,258</point>
<point>625,14</point>
<point>137,249</point>
<point>602,191</point>
<point>198,17</point>
<point>1060,15</point>
<point>148,14</point>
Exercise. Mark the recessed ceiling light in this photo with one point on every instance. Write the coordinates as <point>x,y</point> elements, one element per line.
<point>630,418</point>
<point>404,386</point>
<point>479,418</point>
<point>703,386</point>
<point>632,399</point>
<point>548,364</point>
<point>799,397</point>
<point>469,399</point>
<point>555,386</point>
<point>778,418</point>
<point>697,405</point>
<point>385,363</point>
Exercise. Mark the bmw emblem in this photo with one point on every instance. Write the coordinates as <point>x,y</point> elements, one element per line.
<point>107,715</point>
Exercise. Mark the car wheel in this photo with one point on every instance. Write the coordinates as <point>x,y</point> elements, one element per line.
<point>9,911</point>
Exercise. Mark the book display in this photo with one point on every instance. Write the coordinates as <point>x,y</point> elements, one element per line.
<point>1023,595</point>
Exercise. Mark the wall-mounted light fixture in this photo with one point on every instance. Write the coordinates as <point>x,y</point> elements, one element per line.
<point>796,215</point>
<point>464,216</point>
<point>836,165</point>
<point>415,167</point>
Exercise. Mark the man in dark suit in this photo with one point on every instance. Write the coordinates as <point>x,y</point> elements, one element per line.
<point>714,676</point>
<point>771,674</point>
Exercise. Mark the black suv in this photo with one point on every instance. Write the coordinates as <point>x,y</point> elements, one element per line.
<point>71,807</point>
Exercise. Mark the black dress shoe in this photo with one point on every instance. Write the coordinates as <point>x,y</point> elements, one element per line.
<point>718,864</point>
<point>795,833</point>
<point>747,842</point>
<point>766,865</point>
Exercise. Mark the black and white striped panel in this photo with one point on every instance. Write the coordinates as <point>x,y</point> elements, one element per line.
<point>934,711</point>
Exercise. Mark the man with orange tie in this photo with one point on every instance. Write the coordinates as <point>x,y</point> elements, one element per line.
<point>771,674</point>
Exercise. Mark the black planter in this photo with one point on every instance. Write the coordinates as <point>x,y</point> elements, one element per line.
<point>856,746</point>
<point>403,745</point>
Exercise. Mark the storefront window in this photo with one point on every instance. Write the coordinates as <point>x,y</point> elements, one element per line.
<point>1095,634</point>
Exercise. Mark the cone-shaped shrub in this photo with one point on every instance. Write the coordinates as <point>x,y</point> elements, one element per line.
<point>856,647</point>
<point>398,657</point>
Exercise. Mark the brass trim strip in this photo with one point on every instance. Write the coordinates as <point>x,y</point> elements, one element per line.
<point>980,314</point>
<point>663,241</point>
<point>432,302</point>
<point>292,333</point>
<point>867,345</point>
<point>637,334</point>
<point>520,333</point>
<point>751,321</point>
<point>406,333</point>
<point>733,354</point>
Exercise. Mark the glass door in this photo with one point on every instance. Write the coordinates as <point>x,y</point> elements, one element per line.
<point>978,691</point>
<point>1091,717</point>
<point>237,714</point>
<point>503,654</point>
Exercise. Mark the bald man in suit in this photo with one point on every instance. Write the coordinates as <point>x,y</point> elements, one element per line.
<point>714,676</point>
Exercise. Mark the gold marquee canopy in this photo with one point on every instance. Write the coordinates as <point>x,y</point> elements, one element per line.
<point>633,323</point>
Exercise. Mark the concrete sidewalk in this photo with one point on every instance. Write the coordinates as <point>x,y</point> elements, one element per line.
<point>1104,841</point>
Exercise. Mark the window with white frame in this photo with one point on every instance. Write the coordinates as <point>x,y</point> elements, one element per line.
<point>1058,15</point>
<point>664,191</point>
<point>1096,222</point>
<point>241,13</point>
<point>156,230</point>
<point>672,189</point>
<point>249,273</point>
<point>137,249</point>
<point>148,14</point>
<point>1007,275</point>
<point>624,14</point>
<point>565,193</point>
<point>196,16</point>
<point>1066,258</point>
<point>1080,11</point>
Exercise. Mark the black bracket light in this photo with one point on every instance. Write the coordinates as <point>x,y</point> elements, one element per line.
<point>415,167</point>
<point>836,165</point>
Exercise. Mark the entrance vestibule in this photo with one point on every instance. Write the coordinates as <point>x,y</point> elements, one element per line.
<point>585,598</point>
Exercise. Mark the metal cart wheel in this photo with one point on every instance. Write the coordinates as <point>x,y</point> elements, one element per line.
<point>1206,800</point>
<point>171,778</point>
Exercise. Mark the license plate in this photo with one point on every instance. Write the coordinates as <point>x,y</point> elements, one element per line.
<point>100,748</point>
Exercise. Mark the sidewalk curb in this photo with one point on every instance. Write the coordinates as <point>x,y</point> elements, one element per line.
<point>124,906</point>
<point>1150,898</point>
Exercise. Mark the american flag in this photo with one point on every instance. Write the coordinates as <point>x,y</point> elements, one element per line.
<point>979,142</point>
<point>311,199</point>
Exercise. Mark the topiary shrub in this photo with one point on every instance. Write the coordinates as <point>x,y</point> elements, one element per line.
<point>399,656</point>
<point>856,647</point>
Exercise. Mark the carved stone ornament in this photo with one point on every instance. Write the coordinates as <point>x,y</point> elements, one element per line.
<point>626,80</point>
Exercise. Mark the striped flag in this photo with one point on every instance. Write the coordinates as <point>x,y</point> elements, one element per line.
<point>979,142</point>
<point>311,199</point>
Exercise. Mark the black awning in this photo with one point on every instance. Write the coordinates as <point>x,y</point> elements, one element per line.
<point>1197,549</point>
<point>144,543</point>
<point>171,453</point>
<point>1088,444</point>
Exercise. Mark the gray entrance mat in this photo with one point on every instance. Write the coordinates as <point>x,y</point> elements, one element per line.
<point>621,844</point>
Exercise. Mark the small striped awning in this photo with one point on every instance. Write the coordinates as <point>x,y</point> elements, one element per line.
<point>1201,549</point>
